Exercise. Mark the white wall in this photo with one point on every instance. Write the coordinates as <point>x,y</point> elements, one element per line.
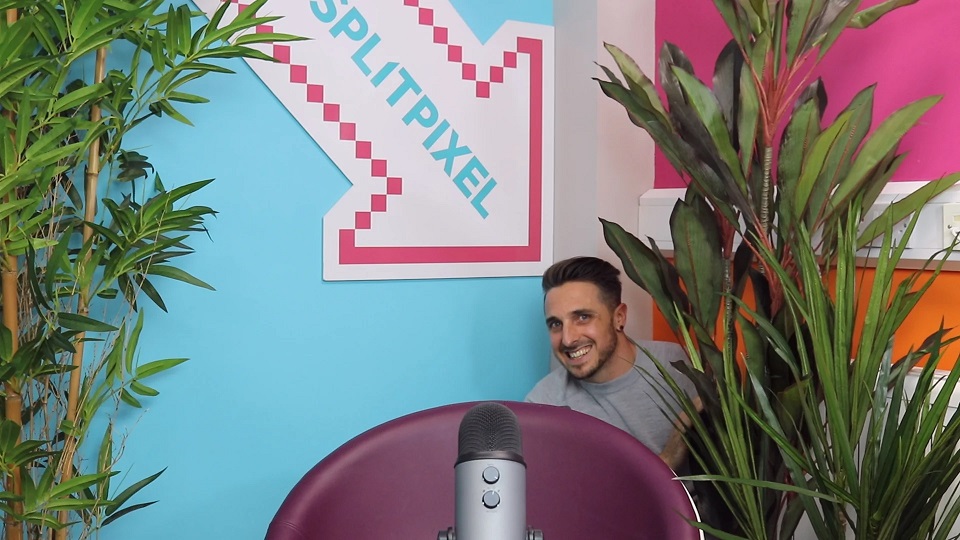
<point>604,163</point>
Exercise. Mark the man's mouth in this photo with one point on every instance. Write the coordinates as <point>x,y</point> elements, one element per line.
<point>577,353</point>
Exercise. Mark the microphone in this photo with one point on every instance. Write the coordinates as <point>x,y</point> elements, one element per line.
<point>491,478</point>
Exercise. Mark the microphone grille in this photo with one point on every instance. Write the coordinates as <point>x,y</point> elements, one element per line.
<point>489,427</point>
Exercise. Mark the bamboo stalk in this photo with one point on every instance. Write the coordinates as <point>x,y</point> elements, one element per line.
<point>13,405</point>
<point>83,302</point>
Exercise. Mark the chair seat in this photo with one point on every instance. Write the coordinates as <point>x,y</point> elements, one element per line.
<point>585,480</point>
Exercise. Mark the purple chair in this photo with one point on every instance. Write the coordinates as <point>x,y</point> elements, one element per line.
<point>586,480</point>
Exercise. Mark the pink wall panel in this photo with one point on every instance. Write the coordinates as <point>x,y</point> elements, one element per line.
<point>911,53</point>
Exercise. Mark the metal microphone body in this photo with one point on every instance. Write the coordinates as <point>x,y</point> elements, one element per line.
<point>491,476</point>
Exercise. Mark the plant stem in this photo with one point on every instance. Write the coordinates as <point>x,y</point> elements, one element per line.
<point>728,329</point>
<point>13,404</point>
<point>765,189</point>
<point>83,302</point>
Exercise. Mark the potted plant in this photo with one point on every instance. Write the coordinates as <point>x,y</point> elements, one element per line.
<point>765,289</point>
<point>86,228</point>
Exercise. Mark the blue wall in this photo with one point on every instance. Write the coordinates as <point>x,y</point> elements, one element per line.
<point>284,366</point>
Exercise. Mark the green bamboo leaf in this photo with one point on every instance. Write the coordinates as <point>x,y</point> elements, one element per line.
<point>128,398</point>
<point>899,210</point>
<point>52,140</point>
<point>105,460</point>
<point>184,28</point>
<point>178,274</point>
<point>53,30</point>
<point>173,32</point>
<point>8,209</point>
<point>267,37</point>
<point>148,289</point>
<point>85,95</point>
<point>6,347</point>
<point>183,97</point>
<point>120,513</point>
<point>80,323</point>
<point>180,192</point>
<point>9,434</point>
<point>76,484</point>
<point>13,74</point>
<point>107,294</point>
<point>204,67</point>
<point>142,389</point>
<point>131,343</point>
<point>83,16</point>
<point>172,112</point>
<point>157,366</point>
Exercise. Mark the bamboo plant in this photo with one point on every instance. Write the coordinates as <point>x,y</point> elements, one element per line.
<point>86,228</point>
<point>763,285</point>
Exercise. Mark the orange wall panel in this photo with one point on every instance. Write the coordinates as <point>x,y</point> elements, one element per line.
<point>941,302</point>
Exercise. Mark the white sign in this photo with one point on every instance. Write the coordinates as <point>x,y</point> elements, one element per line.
<point>448,142</point>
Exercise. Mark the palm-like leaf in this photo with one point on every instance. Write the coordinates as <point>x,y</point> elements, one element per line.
<point>782,402</point>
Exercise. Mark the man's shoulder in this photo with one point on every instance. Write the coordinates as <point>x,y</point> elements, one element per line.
<point>666,352</point>
<point>550,390</point>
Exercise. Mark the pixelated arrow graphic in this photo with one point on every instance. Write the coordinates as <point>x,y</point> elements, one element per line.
<point>447,142</point>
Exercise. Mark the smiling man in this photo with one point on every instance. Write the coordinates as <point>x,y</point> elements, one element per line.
<point>604,373</point>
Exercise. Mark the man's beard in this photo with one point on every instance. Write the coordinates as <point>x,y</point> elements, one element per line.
<point>603,356</point>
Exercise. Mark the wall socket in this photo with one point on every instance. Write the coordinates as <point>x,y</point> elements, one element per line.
<point>951,222</point>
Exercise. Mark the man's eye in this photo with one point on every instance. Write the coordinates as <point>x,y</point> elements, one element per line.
<point>553,325</point>
<point>583,317</point>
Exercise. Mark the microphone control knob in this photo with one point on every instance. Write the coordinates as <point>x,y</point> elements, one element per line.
<point>491,475</point>
<point>491,499</point>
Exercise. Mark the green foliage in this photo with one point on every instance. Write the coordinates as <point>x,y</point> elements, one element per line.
<point>763,286</point>
<point>59,138</point>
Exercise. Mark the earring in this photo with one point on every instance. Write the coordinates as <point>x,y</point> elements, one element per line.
<point>621,328</point>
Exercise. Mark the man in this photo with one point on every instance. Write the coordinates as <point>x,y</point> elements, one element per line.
<point>604,373</point>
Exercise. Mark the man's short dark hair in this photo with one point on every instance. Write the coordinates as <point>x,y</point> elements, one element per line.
<point>587,269</point>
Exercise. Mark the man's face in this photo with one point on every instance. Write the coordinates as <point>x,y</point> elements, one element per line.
<point>583,330</point>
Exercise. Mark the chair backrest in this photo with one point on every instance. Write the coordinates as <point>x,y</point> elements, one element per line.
<point>585,480</point>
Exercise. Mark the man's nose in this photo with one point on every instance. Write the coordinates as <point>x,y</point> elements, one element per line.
<point>570,335</point>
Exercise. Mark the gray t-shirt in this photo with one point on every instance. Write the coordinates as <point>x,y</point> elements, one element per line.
<point>632,402</point>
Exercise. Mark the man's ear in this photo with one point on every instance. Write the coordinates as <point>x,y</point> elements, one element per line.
<point>620,317</point>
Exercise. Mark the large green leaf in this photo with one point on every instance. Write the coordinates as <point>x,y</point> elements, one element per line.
<point>641,265</point>
<point>873,13</point>
<point>83,323</point>
<point>707,109</point>
<point>726,84</point>
<point>800,17</point>
<point>837,161</point>
<point>900,209</point>
<point>813,163</point>
<point>698,257</point>
<point>881,141</point>
<point>639,83</point>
